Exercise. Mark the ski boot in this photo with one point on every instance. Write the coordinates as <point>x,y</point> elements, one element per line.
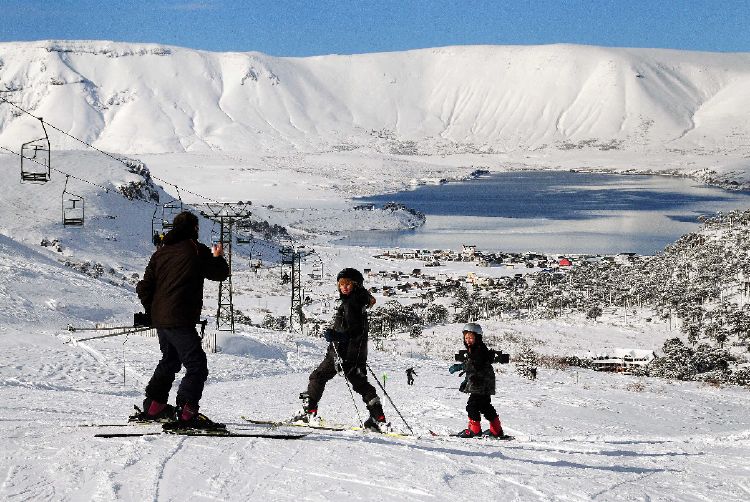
<point>376,421</point>
<point>473,430</point>
<point>189,418</point>
<point>309,412</point>
<point>153,411</point>
<point>496,431</point>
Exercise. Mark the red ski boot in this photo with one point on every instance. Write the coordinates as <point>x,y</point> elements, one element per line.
<point>473,430</point>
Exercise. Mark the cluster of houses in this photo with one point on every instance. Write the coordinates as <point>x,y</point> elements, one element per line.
<point>402,282</point>
<point>405,282</point>
<point>622,360</point>
<point>469,253</point>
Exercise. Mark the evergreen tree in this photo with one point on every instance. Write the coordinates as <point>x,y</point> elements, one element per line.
<point>435,313</point>
<point>526,362</point>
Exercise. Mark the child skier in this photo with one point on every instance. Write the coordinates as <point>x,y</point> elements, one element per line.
<point>479,383</point>
<point>347,347</point>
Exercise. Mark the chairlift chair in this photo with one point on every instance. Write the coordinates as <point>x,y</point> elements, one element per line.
<point>163,219</point>
<point>215,234</point>
<point>287,255</point>
<point>168,212</point>
<point>244,233</point>
<point>72,208</point>
<point>317,270</point>
<point>35,159</point>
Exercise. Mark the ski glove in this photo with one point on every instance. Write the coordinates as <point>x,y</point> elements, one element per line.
<point>334,336</point>
<point>141,319</point>
<point>456,367</point>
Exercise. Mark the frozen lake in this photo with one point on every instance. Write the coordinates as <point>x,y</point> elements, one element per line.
<point>550,211</point>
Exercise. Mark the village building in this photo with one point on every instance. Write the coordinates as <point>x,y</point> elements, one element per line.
<point>469,250</point>
<point>622,360</point>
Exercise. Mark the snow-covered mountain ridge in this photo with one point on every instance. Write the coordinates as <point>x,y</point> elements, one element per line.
<point>140,98</point>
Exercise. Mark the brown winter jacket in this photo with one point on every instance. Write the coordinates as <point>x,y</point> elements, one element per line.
<point>172,287</point>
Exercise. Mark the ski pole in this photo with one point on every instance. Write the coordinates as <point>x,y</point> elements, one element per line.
<point>111,328</point>
<point>340,362</point>
<point>389,398</point>
<point>137,330</point>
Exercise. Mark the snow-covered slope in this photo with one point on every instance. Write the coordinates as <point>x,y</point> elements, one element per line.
<point>152,98</point>
<point>297,133</point>
<point>580,434</point>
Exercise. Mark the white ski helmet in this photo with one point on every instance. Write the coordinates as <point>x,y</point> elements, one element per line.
<point>473,327</point>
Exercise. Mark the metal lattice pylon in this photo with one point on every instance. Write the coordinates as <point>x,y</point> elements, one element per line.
<point>293,256</point>
<point>226,215</point>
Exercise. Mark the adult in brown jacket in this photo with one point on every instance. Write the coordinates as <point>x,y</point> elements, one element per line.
<point>172,294</point>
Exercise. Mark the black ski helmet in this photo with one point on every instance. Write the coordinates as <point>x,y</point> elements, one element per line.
<point>352,274</point>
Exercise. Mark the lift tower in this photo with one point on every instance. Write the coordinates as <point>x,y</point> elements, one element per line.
<point>293,256</point>
<point>227,215</point>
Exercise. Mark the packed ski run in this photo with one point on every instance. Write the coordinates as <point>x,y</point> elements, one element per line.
<point>570,433</point>
<point>592,435</point>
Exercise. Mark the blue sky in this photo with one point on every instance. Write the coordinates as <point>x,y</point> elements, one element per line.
<point>303,28</point>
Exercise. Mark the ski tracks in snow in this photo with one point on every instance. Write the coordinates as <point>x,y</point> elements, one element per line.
<point>163,466</point>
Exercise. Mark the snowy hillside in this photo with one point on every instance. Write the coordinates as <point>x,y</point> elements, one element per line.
<point>579,434</point>
<point>494,99</point>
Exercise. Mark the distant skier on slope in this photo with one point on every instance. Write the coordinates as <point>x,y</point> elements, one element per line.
<point>348,341</point>
<point>410,373</point>
<point>172,294</point>
<point>479,383</point>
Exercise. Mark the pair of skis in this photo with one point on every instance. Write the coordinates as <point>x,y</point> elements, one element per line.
<point>215,432</point>
<point>200,432</point>
<point>323,425</point>
<point>174,428</point>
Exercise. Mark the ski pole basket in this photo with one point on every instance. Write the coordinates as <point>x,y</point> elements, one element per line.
<point>35,159</point>
<point>72,208</point>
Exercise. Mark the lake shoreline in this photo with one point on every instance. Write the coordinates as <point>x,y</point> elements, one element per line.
<point>581,211</point>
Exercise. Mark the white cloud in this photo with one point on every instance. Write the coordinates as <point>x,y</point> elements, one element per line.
<point>193,6</point>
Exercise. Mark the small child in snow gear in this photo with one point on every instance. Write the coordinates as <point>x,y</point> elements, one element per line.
<point>410,373</point>
<point>347,348</point>
<point>479,383</point>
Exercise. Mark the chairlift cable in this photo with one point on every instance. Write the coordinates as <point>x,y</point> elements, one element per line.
<point>61,172</point>
<point>106,189</point>
<point>100,151</point>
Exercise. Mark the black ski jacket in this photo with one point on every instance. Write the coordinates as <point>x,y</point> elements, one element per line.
<point>351,327</point>
<point>171,290</point>
<point>480,377</point>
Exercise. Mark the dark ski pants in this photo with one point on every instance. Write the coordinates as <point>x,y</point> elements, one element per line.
<point>327,369</point>
<point>179,347</point>
<point>480,404</point>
